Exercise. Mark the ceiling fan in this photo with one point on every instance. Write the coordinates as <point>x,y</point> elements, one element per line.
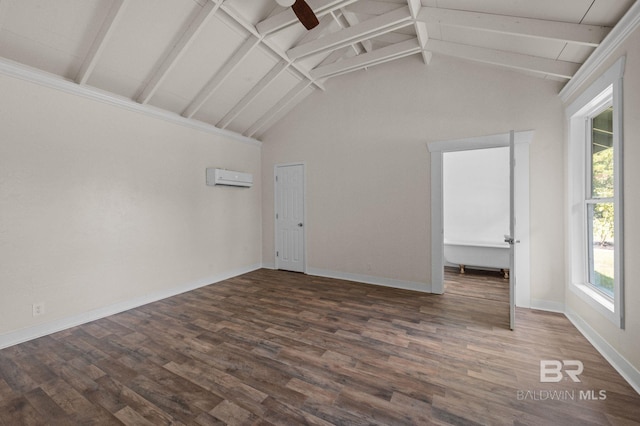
<point>303,11</point>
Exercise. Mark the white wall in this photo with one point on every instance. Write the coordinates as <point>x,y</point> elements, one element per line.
<point>626,342</point>
<point>476,196</point>
<point>100,205</point>
<point>364,143</point>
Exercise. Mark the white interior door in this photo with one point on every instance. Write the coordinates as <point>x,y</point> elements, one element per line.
<point>511,238</point>
<point>290,235</point>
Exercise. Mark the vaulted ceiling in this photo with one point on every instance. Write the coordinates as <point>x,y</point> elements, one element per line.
<point>241,65</point>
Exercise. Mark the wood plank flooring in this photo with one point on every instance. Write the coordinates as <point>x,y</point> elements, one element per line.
<point>490,285</point>
<point>272,347</point>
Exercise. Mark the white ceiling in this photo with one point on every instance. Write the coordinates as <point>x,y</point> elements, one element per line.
<point>241,65</point>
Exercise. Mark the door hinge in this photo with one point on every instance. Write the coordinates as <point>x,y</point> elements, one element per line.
<point>276,178</point>
<point>277,254</point>
<point>276,215</point>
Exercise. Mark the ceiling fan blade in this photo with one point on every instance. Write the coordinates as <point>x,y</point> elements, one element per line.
<point>305,14</point>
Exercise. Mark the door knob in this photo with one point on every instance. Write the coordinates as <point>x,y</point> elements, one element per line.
<point>300,224</point>
<point>509,239</point>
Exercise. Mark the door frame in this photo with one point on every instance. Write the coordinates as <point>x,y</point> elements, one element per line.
<point>304,212</point>
<point>437,150</point>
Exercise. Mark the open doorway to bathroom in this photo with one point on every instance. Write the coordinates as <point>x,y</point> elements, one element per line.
<point>476,213</point>
<point>521,208</point>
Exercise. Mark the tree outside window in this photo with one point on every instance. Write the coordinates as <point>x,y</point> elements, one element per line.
<point>600,204</point>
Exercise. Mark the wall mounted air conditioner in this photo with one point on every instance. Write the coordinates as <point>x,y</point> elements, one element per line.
<point>229,178</point>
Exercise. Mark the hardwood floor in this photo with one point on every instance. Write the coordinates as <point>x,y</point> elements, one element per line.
<point>273,347</point>
<point>489,285</point>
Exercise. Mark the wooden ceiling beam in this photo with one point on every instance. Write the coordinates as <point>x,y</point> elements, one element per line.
<point>323,27</point>
<point>253,93</point>
<point>290,96</point>
<point>102,38</point>
<point>216,81</point>
<point>421,28</point>
<point>378,56</point>
<point>365,30</point>
<point>208,10</point>
<point>233,18</point>
<point>393,38</point>
<point>352,20</point>
<point>287,18</point>
<point>337,55</point>
<point>589,35</point>
<point>343,23</point>
<point>373,7</point>
<point>529,63</point>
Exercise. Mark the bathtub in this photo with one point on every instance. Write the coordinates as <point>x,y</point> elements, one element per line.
<point>481,255</point>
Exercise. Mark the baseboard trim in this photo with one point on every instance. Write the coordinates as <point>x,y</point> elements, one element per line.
<point>40,330</point>
<point>367,279</point>
<point>617,361</point>
<point>547,305</point>
<point>269,265</point>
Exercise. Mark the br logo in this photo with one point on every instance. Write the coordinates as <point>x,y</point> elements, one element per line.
<point>551,370</point>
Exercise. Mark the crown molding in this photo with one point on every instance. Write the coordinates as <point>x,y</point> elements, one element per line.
<point>43,78</point>
<point>627,25</point>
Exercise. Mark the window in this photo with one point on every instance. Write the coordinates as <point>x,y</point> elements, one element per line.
<point>600,203</point>
<point>595,191</point>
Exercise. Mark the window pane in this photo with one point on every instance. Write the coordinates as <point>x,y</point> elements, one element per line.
<point>601,247</point>
<point>602,154</point>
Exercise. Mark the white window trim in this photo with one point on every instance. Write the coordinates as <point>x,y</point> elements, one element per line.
<point>607,86</point>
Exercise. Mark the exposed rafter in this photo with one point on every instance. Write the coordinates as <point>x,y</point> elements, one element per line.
<point>373,7</point>
<point>352,20</point>
<point>626,26</point>
<point>216,81</point>
<point>590,35</point>
<point>379,25</point>
<point>393,38</point>
<point>421,28</point>
<point>253,93</point>
<point>287,18</point>
<point>376,57</point>
<point>336,55</point>
<point>343,23</point>
<point>191,33</point>
<point>42,78</point>
<point>266,42</point>
<point>323,27</point>
<point>102,38</point>
<point>279,106</point>
<point>533,64</point>
<point>93,39</point>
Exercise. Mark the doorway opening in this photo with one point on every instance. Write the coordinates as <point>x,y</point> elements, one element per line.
<point>520,188</point>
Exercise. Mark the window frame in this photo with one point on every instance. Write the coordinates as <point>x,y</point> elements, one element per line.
<point>605,91</point>
<point>592,200</point>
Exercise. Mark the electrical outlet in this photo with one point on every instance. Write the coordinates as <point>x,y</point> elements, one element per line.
<point>38,309</point>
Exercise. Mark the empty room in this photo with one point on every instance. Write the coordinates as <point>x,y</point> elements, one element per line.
<point>328,212</point>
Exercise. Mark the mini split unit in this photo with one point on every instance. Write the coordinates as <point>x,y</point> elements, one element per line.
<point>229,178</point>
